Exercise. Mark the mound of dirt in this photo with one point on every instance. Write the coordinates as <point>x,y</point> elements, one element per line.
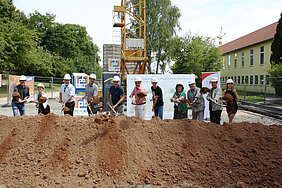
<point>107,151</point>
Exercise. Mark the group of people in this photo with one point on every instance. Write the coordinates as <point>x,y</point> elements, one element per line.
<point>21,95</point>
<point>194,99</point>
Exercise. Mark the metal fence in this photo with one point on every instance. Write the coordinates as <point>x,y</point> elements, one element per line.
<point>265,90</point>
<point>52,86</point>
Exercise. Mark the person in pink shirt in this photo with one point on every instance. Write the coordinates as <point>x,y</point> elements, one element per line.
<point>139,102</point>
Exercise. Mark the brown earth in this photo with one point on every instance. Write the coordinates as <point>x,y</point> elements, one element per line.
<point>56,151</point>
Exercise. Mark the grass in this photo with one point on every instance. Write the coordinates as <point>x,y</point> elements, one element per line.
<point>251,96</point>
<point>48,87</point>
<point>277,102</point>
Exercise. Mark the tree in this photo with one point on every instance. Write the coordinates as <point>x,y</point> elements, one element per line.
<point>40,46</point>
<point>195,54</point>
<point>161,24</point>
<point>72,42</point>
<point>276,59</point>
<point>276,72</point>
<point>276,46</point>
<point>69,41</point>
<point>17,44</point>
<point>7,9</point>
<point>41,23</point>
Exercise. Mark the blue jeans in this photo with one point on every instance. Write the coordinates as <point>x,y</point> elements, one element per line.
<point>159,110</point>
<point>18,106</point>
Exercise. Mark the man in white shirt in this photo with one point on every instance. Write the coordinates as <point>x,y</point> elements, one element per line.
<point>67,92</point>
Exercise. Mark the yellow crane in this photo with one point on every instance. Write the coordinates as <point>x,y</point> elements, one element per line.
<point>130,16</point>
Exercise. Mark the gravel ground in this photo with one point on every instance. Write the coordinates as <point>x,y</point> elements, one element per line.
<point>241,116</point>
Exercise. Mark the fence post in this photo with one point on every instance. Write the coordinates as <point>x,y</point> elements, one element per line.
<point>245,92</point>
<point>265,80</point>
<point>8,86</point>
<point>52,81</point>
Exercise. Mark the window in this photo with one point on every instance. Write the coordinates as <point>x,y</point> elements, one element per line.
<point>238,79</point>
<point>247,80</point>
<point>242,80</point>
<point>256,80</point>
<point>251,57</point>
<point>223,63</point>
<point>243,59</point>
<point>251,80</point>
<point>235,60</point>
<point>228,63</point>
<point>235,79</point>
<point>261,79</point>
<point>261,55</point>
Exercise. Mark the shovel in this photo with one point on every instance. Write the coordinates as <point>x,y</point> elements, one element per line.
<point>89,108</point>
<point>112,108</point>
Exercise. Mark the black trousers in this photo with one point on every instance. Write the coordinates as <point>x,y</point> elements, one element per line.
<point>70,105</point>
<point>215,116</point>
<point>43,110</point>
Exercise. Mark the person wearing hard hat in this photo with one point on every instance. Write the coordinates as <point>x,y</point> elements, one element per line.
<point>18,104</point>
<point>41,100</point>
<point>139,102</point>
<point>67,92</point>
<point>232,106</point>
<point>91,91</point>
<point>116,96</point>
<point>215,102</point>
<point>157,98</point>
<point>191,94</point>
<point>179,100</point>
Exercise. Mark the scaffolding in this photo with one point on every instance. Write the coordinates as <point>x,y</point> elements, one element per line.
<point>131,18</point>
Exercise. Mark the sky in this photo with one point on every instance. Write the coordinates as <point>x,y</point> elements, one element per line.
<point>204,17</point>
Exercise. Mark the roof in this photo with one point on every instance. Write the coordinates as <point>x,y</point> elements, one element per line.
<point>264,34</point>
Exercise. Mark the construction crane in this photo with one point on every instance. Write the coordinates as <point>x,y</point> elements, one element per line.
<point>219,37</point>
<point>130,16</point>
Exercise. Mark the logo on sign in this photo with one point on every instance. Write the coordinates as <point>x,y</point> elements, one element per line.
<point>81,103</point>
<point>81,80</point>
<point>114,63</point>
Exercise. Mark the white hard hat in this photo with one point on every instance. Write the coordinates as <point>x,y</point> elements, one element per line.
<point>67,77</point>
<point>229,81</point>
<point>138,79</point>
<point>154,79</point>
<point>179,84</point>
<point>93,76</point>
<point>191,82</point>
<point>22,78</point>
<point>214,79</point>
<point>116,79</point>
<point>41,85</point>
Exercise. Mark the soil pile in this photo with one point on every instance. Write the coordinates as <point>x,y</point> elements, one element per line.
<point>103,151</point>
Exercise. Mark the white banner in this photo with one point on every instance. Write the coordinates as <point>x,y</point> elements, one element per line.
<point>80,107</point>
<point>114,64</point>
<point>206,82</point>
<point>166,82</point>
<point>134,44</point>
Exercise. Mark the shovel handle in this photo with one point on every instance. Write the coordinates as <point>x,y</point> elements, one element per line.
<point>112,108</point>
